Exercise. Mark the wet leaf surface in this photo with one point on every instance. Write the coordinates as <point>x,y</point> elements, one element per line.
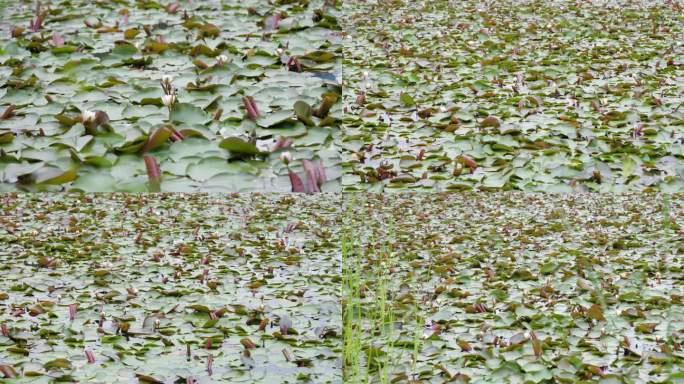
<point>513,288</point>
<point>554,96</point>
<point>81,101</point>
<point>150,288</point>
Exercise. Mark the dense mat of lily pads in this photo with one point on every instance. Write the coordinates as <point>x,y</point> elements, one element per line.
<point>169,288</point>
<point>543,95</point>
<point>143,95</point>
<point>514,288</point>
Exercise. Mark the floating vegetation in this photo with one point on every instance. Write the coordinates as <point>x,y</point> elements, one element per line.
<point>513,288</point>
<point>213,92</point>
<point>554,96</point>
<point>169,288</point>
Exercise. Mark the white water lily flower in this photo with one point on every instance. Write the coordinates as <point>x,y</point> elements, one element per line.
<point>222,59</point>
<point>286,157</point>
<point>88,116</point>
<point>384,117</point>
<point>167,79</point>
<point>365,82</point>
<point>169,100</point>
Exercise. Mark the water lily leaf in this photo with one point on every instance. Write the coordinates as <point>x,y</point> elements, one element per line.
<point>188,114</point>
<point>64,49</point>
<point>239,146</point>
<point>303,112</point>
<point>124,50</point>
<point>57,363</point>
<point>328,99</point>
<point>646,327</point>
<point>200,308</point>
<point>67,119</point>
<point>55,176</point>
<point>137,74</point>
<point>133,146</point>
<point>203,50</point>
<point>6,138</point>
<point>275,118</point>
<point>595,312</point>
<point>490,122</point>
<point>93,182</point>
<point>157,139</point>
<point>131,33</point>
<point>140,62</point>
<point>319,56</point>
<point>407,100</point>
<point>156,47</point>
<point>210,323</point>
<point>314,136</point>
<point>147,379</point>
